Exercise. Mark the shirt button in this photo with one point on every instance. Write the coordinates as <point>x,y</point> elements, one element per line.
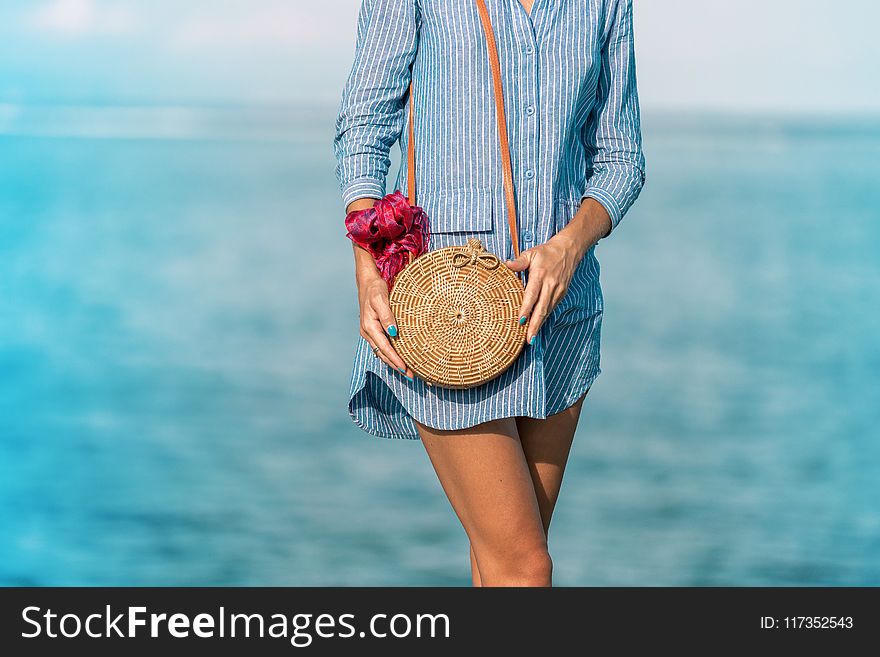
<point>529,50</point>
<point>527,236</point>
<point>530,174</point>
<point>530,110</point>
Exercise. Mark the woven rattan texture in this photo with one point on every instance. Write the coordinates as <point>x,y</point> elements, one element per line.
<point>457,315</point>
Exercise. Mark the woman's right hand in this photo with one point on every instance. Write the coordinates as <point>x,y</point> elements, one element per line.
<point>377,320</point>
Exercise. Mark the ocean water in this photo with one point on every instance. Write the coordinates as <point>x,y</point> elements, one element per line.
<point>178,319</point>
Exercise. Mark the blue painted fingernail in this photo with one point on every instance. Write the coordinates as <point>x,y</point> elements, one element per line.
<point>532,341</point>
<point>402,370</point>
<point>392,330</point>
<point>409,378</point>
<point>522,320</point>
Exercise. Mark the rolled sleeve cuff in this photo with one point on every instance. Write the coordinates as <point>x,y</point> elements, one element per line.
<point>608,202</point>
<point>362,188</point>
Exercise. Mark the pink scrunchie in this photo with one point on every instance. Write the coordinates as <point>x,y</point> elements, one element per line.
<point>390,231</point>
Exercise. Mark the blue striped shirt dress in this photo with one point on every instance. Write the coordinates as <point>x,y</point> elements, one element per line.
<point>569,84</point>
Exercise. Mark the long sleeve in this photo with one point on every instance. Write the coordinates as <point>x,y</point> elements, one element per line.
<point>613,135</point>
<point>371,113</point>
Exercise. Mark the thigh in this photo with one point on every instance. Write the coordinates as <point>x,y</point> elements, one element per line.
<point>484,473</point>
<point>546,445</point>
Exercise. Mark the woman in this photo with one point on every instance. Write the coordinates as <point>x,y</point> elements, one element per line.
<point>572,115</point>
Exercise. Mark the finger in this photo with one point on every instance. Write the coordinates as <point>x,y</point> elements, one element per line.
<point>381,356</point>
<point>376,336</point>
<point>539,314</point>
<point>558,295</point>
<point>521,262</point>
<point>376,352</point>
<point>382,307</point>
<point>386,358</point>
<point>530,297</point>
<point>387,353</point>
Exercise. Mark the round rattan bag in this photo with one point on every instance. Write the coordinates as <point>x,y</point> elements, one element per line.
<point>457,315</point>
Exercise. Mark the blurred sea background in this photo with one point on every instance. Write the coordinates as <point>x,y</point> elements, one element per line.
<point>178,320</point>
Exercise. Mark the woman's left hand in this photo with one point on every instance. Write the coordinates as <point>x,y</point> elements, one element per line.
<point>551,266</point>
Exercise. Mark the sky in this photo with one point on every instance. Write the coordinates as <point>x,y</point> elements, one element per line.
<point>729,55</point>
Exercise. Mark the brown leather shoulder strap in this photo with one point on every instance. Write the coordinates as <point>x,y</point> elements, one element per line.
<point>411,153</point>
<point>506,168</point>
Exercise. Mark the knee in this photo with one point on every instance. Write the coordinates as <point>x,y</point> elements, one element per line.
<point>525,567</point>
<point>537,568</point>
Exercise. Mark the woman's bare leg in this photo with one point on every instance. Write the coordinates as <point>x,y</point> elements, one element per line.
<point>546,444</point>
<point>475,569</point>
<point>484,473</point>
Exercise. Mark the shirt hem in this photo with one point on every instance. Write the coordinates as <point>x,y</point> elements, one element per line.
<point>358,420</point>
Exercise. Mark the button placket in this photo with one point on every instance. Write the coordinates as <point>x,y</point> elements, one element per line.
<point>531,153</point>
<point>529,156</point>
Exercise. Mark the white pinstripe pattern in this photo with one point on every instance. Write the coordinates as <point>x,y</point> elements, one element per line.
<point>569,81</point>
